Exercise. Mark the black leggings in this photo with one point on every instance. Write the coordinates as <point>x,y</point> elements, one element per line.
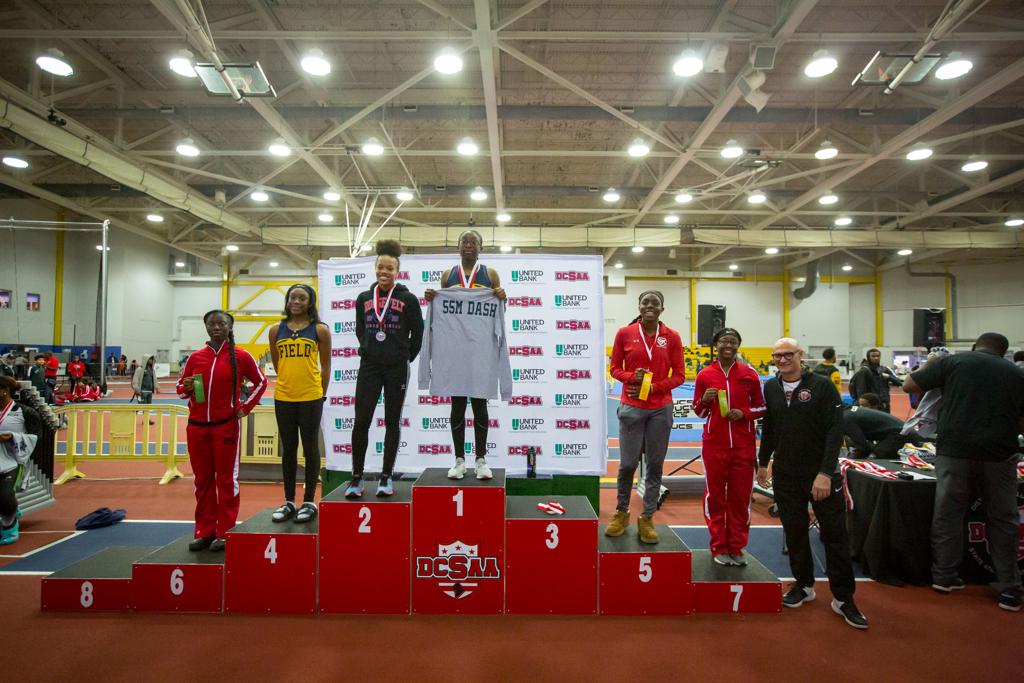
<point>294,417</point>
<point>8,501</point>
<point>480,423</point>
<point>374,376</point>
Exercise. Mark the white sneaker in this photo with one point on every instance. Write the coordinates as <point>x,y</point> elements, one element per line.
<point>482,470</point>
<point>459,471</point>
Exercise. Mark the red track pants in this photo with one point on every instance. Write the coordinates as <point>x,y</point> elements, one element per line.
<point>213,454</point>
<point>729,474</point>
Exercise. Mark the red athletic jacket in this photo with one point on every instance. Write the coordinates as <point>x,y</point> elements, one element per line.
<point>666,362</point>
<point>76,369</point>
<point>743,389</point>
<point>52,367</point>
<point>215,367</point>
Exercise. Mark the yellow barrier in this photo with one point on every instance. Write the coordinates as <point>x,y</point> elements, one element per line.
<point>150,433</point>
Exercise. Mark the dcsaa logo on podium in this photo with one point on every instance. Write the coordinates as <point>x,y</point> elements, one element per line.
<point>458,568</point>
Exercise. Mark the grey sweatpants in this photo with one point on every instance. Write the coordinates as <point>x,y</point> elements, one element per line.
<point>997,483</point>
<point>646,431</point>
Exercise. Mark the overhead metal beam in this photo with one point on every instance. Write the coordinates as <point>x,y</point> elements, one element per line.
<point>901,261</point>
<point>813,256</point>
<point>993,185</point>
<point>488,73</point>
<point>985,89</point>
<point>430,4</point>
<point>519,14</point>
<point>711,256</point>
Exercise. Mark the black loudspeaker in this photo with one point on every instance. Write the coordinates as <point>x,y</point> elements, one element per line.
<point>710,319</point>
<point>929,327</point>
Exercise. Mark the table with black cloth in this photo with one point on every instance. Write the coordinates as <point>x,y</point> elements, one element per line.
<point>890,527</point>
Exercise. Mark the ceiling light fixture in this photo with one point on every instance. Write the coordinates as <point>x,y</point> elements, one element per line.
<point>53,62</point>
<point>828,199</point>
<point>847,267</point>
<point>1014,222</point>
<point>155,218</point>
<point>315,63</point>
<point>919,152</point>
<point>684,198</point>
<point>273,264</point>
<point>826,151</point>
<point>332,195</point>
<point>618,264</point>
<point>478,194</point>
<point>954,66</point>
<point>467,147</point>
<point>325,218</point>
<point>611,195</point>
<point>731,150</point>
<point>843,221</point>
<point>15,162</point>
<point>448,61</point>
<point>734,266</point>
<point>506,248</point>
<point>671,219</point>
<point>373,148</point>
<point>771,251</point>
<point>232,247</point>
<point>187,148</point>
<point>821,64</point>
<point>404,195</point>
<point>179,264</point>
<point>279,148</point>
<point>637,249</point>
<point>757,198</point>
<point>973,165</point>
<point>638,148</point>
<point>904,252</point>
<point>181,64</point>
<point>259,196</point>
<point>503,217</point>
<point>688,64</point>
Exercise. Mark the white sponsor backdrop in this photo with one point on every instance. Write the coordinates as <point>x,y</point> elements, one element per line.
<point>555,333</point>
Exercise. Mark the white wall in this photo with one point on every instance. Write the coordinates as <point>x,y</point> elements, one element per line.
<point>823,319</point>
<point>753,308</point>
<point>861,318</point>
<point>621,305</point>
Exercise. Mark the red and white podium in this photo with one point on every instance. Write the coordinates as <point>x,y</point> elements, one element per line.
<point>271,568</point>
<point>99,583</point>
<point>550,560</point>
<point>748,590</point>
<point>458,534</point>
<point>174,579</point>
<point>644,579</point>
<point>364,552</point>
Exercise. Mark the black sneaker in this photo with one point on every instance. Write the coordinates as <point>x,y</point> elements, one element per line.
<point>200,544</point>
<point>956,584</point>
<point>848,611</point>
<point>1010,600</point>
<point>798,595</point>
<point>218,545</point>
<point>283,513</point>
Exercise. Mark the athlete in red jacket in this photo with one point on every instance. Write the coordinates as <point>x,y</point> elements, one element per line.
<point>729,446</point>
<point>214,426</point>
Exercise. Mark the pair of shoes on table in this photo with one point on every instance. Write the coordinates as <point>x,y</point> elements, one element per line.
<point>283,513</point>
<point>482,471</point>
<point>306,513</point>
<point>10,534</point>
<point>355,489</point>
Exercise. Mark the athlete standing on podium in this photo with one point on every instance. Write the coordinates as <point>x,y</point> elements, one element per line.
<point>389,325</point>
<point>728,395</point>
<point>214,412</point>
<point>300,348</point>
<point>470,273</point>
<point>647,357</point>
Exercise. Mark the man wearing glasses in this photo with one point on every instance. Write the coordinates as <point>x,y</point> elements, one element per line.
<point>803,429</point>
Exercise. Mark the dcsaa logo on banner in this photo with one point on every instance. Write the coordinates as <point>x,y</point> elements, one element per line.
<point>554,323</point>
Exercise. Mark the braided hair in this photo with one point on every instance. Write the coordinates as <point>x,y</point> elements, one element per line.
<point>231,353</point>
<point>661,298</point>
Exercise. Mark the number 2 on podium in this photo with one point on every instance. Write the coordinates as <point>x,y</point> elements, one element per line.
<point>457,499</point>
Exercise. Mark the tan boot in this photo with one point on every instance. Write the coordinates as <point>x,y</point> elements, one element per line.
<point>618,525</point>
<point>645,528</point>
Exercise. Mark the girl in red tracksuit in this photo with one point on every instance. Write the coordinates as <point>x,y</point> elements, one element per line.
<point>729,445</point>
<point>214,426</point>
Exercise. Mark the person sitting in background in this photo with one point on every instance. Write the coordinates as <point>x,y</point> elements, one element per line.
<point>827,368</point>
<point>924,422</point>
<point>873,378</point>
<point>871,432</point>
<point>1018,358</point>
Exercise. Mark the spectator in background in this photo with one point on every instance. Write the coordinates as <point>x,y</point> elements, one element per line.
<point>50,375</point>
<point>37,375</point>
<point>873,378</point>
<point>112,365</point>
<point>144,380</point>
<point>870,432</point>
<point>122,366</point>
<point>75,370</point>
<point>133,367</point>
<point>21,366</point>
<point>982,414</point>
<point>20,428</point>
<point>1018,358</point>
<point>924,422</point>
<point>827,368</point>
<point>7,366</point>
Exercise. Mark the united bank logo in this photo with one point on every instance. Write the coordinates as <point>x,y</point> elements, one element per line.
<point>458,569</point>
<point>527,276</point>
<point>349,375</point>
<point>344,424</point>
<point>527,424</point>
<point>346,327</point>
<point>528,325</point>
<point>570,400</point>
<point>572,350</point>
<point>470,448</point>
<point>528,374</point>
<point>349,279</point>
<point>435,424</point>
<point>577,301</point>
<point>379,447</point>
<point>570,450</point>
<point>429,276</point>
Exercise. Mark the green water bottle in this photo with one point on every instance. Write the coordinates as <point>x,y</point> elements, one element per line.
<point>198,393</point>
